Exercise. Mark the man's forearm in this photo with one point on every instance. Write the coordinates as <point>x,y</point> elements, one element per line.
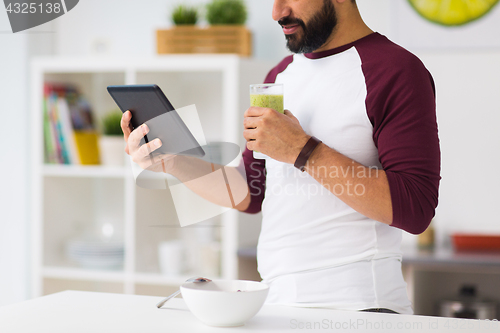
<point>223,186</point>
<point>364,189</point>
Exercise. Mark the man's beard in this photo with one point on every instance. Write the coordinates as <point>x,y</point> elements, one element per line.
<point>316,33</point>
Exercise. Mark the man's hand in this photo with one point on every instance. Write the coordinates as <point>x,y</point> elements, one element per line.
<point>141,154</point>
<point>189,170</point>
<point>277,135</point>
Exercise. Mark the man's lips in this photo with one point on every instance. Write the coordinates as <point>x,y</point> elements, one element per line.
<point>290,29</point>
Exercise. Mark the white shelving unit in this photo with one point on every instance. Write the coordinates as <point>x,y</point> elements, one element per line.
<point>67,199</point>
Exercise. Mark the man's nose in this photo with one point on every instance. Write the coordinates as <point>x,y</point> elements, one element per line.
<point>280,9</point>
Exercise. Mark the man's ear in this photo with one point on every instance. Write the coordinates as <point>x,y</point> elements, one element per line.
<point>344,2</point>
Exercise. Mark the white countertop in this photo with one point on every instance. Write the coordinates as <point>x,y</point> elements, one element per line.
<point>88,312</point>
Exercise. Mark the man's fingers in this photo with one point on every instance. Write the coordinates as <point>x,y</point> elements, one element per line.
<point>252,145</point>
<point>136,136</point>
<point>252,122</point>
<point>143,156</point>
<point>255,111</point>
<point>157,163</point>
<point>291,116</point>
<point>150,147</point>
<point>289,113</point>
<point>125,124</point>
<point>250,134</point>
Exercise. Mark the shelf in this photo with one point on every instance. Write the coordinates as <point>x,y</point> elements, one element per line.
<point>159,279</point>
<point>70,199</point>
<point>85,171</point>
<point>82,274</point>
<point>177,63</point>
<point>445,258</point>
<point>70,273</point>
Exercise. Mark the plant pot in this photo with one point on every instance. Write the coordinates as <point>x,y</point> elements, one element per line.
<point>112,150</point>
<point>235,39</point>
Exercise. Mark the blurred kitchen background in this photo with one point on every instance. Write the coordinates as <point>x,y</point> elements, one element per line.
<point>51,212</point>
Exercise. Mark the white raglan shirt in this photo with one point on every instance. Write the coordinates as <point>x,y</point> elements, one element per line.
<point>314,250</point>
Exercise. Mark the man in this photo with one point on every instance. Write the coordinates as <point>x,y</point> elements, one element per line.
<point>357,161</point>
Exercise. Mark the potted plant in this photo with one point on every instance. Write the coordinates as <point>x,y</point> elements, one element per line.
<point>226,12</point>
<point>226,33</point>
<point>184,15</point>
<point>112,145</point>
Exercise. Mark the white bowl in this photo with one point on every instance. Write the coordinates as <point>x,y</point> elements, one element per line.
<point>224,302</point>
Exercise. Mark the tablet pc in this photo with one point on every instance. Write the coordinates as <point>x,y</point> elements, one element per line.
<point>148,104</point>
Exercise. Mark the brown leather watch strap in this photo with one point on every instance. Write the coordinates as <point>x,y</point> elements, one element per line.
<point>305,153</point>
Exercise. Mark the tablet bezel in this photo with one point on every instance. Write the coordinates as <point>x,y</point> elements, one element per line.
<point>144,113</point>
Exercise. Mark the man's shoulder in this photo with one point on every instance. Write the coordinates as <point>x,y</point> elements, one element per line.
<point>280,68</point>
<point>383,54</point>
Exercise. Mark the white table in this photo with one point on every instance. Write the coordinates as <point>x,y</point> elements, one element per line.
<point>88,312</point>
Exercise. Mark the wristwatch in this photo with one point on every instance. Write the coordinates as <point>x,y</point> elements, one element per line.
<point>305,153</point>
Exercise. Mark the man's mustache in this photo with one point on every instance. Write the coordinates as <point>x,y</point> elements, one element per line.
<point>291,21</point>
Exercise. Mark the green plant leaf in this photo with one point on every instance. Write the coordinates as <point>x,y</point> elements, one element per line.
<point>111,123</point>
<point>226,12</point>
<point>184,15</point>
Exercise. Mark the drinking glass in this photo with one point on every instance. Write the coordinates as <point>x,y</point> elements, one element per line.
<point>267,96</point>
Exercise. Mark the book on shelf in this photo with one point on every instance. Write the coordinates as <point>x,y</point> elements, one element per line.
<point>70,136</point>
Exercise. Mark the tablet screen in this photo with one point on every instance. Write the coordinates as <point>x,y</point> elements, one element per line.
<point>149,105</point>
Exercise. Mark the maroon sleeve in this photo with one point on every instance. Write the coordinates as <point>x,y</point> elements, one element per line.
<point>255,169</point>
<point>401,106</point>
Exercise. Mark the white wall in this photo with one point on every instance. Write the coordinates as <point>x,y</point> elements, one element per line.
<point>16,51</point>
<point>128,27</point>
<point>464,62</point>
<point>416,33</point>
<point>468,104</point>
<point>13,165</point>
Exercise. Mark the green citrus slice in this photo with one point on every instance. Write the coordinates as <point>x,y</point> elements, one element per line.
<point>452,12</point>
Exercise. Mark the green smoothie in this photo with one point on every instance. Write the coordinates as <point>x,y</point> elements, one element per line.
<point>274,102</point>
